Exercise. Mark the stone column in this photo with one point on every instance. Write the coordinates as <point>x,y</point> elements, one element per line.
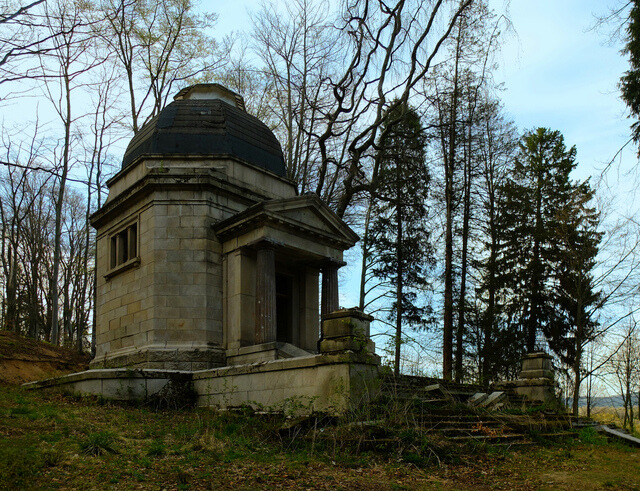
<point>265,295</point>
<point>329,302</point>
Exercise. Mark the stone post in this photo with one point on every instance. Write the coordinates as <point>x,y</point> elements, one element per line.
<point>348,330</point>
<point>329,302</point>
<point>536,381</point>
<point>265,295</point>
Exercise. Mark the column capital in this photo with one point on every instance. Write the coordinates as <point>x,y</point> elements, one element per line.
<point>263,244</point>
<point>332,263</point>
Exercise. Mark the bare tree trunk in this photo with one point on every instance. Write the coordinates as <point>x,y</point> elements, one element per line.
<point>466,218</point>
<point>447,344</point>
<point>55,333</point>
<point>365,256</point>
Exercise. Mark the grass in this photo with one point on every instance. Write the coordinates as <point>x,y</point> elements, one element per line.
<point>55,442</point>
<point>614,416</point>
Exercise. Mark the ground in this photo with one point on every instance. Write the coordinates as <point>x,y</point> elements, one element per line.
<point>25,360</point>
<point>52,441</point>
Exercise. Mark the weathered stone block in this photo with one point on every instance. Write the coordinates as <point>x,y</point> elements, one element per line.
<point>537,361</point>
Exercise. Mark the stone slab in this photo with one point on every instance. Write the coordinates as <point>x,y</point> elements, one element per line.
<point>121,384</point>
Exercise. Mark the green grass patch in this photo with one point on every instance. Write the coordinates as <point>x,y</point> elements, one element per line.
<point>84,443</point>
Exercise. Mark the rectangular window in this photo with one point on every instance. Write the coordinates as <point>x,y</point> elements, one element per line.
<point>124,245</point>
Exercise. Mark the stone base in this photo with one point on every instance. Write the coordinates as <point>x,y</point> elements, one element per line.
<point>347,330</point>
<point>320,383</point>
<point>264,352</point>
<point>163,358</point>
<point>119,384</point>
<point>536,389</point>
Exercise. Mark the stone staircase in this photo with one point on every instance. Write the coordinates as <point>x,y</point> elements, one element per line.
<point>466,413</point>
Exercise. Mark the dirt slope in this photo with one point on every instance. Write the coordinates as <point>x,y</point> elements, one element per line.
<point>25,360</point>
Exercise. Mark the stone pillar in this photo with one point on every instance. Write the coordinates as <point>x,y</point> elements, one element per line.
<point>537,379</point>
<point>265,295</point>
<point>329,302</point>
<point>348,330</point>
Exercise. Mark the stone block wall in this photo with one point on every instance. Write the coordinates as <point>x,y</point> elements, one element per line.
<point>165,309</point>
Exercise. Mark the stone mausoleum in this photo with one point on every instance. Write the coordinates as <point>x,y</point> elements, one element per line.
<point>209,263</point>
<point>215,276</point>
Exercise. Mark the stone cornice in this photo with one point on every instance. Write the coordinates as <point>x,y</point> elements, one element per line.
<point>277,214</point>
<point>177,178</point>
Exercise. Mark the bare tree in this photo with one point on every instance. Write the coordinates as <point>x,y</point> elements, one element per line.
<point>22,38</point>
<point>62,70</point>
<point>625,365</point>
<point>159,44</point>
<point>298,53</point>
<point>332,83</point>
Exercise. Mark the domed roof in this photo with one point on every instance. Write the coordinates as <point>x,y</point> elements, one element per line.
<point>207,120</point>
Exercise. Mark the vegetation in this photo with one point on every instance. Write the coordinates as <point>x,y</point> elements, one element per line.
<point>52,442</point>
<point>398,235</point>
<point>630,81</point>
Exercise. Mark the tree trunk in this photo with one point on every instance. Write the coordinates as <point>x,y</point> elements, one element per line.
<point>447,342</point>
<point>400,273</point>
<point>463,266</point>
<point>577,382</point>
<point>365,254</point>
<point>55,333</point>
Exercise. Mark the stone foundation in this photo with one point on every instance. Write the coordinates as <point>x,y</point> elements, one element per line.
<point>272,376</point>
<point>162,358</point>
<point>318,383</point>
<point>119,384</point>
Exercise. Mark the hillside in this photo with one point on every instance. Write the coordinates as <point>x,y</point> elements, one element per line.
<point>48,441</point>
<point>52,441</point>
<point>25,360</point>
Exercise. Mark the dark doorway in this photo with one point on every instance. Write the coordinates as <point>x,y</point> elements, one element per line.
<point>284,308</point>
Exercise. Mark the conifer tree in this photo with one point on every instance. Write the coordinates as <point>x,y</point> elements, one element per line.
<point>550,245</point>
<point>398,237</point>
<point>630,81</point>
<point>577,298</point>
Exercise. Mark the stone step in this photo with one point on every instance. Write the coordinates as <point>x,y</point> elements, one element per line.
<point>490,438</point>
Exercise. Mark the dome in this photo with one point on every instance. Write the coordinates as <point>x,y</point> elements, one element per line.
<point>207,120</point>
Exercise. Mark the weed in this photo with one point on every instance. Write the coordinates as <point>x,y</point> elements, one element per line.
<point>23,411</point>
<point>18,463</point>
<point>591,436</point>
<point>98,443</point>
<point>157,448</point>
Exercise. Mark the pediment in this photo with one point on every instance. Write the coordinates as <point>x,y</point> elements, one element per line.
<point>306,216</point>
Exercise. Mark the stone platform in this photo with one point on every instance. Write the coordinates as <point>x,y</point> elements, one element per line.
<point>270,377</point>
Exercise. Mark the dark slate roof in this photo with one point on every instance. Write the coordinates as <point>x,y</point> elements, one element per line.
<point>207,127</point>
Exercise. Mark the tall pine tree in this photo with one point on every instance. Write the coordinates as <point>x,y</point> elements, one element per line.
<point>549,248</point>
<point>577,298</point>
<point>398,237</point>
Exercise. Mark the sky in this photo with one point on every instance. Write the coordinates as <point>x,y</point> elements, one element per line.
<point>556,70</point>
<point>559,72</point>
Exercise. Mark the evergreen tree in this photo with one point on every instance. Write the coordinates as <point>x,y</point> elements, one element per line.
<point>398,236</point>
<point>630,81</point>
<point>496,152</point>
<point>577,298</point>
<point>549,248</point>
